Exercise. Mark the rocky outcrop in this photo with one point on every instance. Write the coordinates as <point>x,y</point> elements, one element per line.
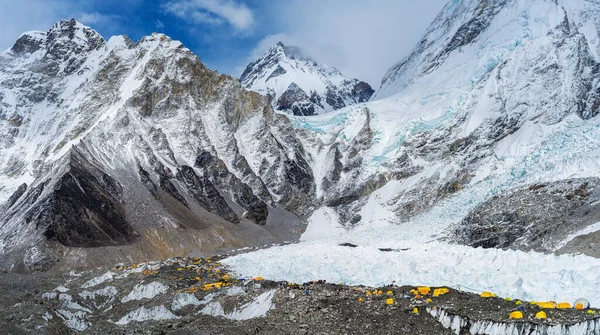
<point>83,208</point>
<point>214,170</point>
<point>538,217</point>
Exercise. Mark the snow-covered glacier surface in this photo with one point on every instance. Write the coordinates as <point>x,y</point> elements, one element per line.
<point>420,254</point>
<point>417,261</point>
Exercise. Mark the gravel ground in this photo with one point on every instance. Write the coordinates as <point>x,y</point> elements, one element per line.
<point>44,303</point>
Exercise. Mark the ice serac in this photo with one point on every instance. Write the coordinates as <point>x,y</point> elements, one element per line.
<point>137,150</point>
<point>498,95</point>
<point>299,85</point>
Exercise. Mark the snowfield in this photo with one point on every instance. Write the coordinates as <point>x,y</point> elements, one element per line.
<point>528,276</point>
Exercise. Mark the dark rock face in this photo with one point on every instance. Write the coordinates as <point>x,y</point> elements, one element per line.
<point>205,193</point>
<point>15,196</point>
<point>216,173</point>
<point>536,217</point>
<point>28,43</point>
<point>362,91</point>
<point>277,72</point>
<point>85,208</point>
<point>67,40</point>
<point>295,99</point>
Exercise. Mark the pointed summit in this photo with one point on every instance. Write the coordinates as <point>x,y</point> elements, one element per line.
<point>299,85</point>
<point>70,36</point>
<point>65,37</point>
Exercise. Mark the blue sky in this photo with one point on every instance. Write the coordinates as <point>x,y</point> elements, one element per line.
<point>361,38</point>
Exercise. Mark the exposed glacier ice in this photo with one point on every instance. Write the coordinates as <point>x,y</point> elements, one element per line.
<point>181,300</point>
<point>108,291</point>
<point>98,280</point>
<point>145,291</point>
<point>515,274</point>
<point>256,308</point>
<point>144,314</point>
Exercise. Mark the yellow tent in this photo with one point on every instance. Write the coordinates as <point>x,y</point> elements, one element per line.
<point>516,315</point>
<point>563,305</point>
<point>540,315</point>
<point>440,291</point>
<point>424,289</point>
<point>487,294</point>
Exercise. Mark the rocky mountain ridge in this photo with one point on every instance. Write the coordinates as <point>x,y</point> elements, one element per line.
<point>119,144</point>
<point>299,85</point>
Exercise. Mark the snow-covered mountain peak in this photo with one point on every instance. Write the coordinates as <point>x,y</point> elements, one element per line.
<point>472,29</point>
<point>298,84</point>
<point>147,125</point>
<point>70,36</point>
<point>282,51</point>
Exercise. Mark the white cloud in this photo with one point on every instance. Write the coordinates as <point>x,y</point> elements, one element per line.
<point>213,12</point>
<point>363,39</point>
<point>159,24</point>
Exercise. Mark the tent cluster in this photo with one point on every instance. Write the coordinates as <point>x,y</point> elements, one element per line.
<point>580,304</point>
<point>145,268</point>
<point>422,291</point>
<point>294,286</point>
<point>420,294</point>
<point>552,305</point>
<point>205,275</point>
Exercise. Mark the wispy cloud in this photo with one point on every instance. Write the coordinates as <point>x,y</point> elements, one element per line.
<point>363,39</point>
<point>212,12</point>
<point>159,24</point>
<point>96,18</point>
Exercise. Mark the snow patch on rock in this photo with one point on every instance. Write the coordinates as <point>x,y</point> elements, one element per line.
<point>257,308</point>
